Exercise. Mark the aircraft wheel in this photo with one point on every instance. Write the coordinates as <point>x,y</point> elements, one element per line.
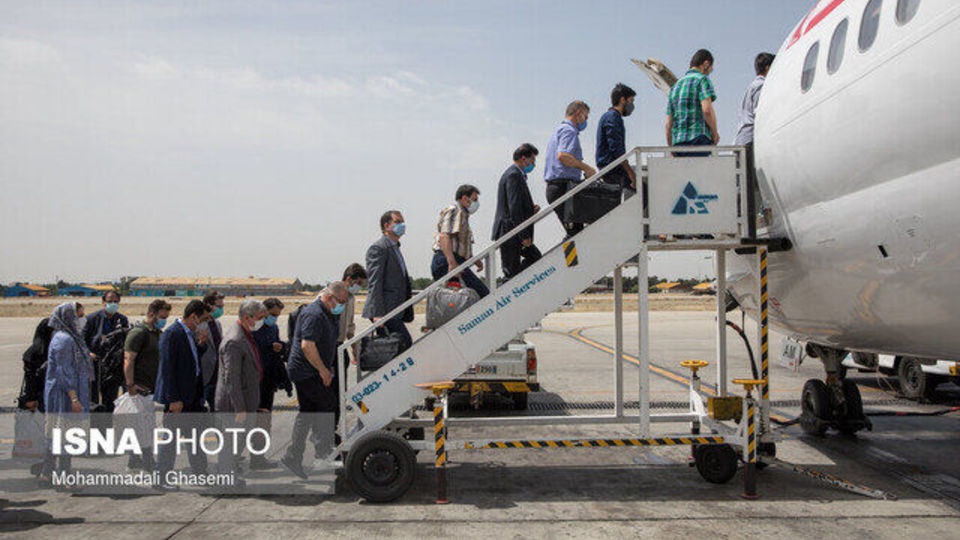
<point>815,406</point>
<point>914,383</point>
<point>853,418</point>
<point>716,463</point>
<point>381,466</point>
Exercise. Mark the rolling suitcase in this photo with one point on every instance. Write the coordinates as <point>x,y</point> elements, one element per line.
<point>592,203</point>
<point>447,302</point>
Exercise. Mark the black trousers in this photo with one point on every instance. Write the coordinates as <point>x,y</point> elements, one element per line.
<point>190,419</point>
<point>753,191</point>
<point>555,190</point>
<point>313,398</point>
<point>515,257</point>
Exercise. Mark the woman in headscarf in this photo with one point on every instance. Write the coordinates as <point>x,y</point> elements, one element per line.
<point>66,393</point>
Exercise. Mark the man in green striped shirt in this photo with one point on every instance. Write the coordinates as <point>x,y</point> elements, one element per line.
<point>691,119</point>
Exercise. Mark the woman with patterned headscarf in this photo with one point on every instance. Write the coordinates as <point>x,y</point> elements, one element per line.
<point>67,390</point>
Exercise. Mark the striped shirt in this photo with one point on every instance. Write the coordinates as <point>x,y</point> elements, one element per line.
<point>685,106</point>
<point>455,222</point>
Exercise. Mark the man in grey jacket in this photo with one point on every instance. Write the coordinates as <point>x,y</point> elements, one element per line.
<point>239,372</point>
<point>388,284</point>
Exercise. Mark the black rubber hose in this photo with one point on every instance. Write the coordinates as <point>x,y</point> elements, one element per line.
<point>746,343</point>
<point>941,412</point>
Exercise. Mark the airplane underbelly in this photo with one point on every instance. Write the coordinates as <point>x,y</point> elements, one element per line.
<point>877,270</point>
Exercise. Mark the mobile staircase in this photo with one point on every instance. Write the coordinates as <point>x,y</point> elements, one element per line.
<point>691,203</point>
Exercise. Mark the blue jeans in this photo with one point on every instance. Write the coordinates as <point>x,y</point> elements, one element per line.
<point>439,269</point>
<point>700,140</point>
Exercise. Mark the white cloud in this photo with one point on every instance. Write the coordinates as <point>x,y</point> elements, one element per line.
<point>123,137</point>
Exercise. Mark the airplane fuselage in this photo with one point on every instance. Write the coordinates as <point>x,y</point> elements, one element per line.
<point>862,172</point>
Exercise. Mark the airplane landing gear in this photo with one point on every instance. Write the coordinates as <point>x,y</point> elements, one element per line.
<point>833,403</point>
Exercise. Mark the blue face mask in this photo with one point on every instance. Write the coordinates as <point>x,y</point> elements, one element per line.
<point>582,126</point>
<point>528,169</point>
<point>217,313</point>
<point>270,320</point>
<point>338,309</point>
<point>111,307</point>
<point>399,229</point>
<point>160,323</point>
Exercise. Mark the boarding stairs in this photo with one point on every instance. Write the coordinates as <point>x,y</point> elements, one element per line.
<point>694,203</point>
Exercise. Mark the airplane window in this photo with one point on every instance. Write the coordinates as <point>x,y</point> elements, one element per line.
<point>906,9</point>
<point>870,24</point>
<point>809,67</point>
<point>837,44</point>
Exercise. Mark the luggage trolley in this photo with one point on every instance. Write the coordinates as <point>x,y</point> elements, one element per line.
<point>689,203</point>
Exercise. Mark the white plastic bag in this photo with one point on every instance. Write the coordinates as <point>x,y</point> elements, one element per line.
<point>137,413</point>
<point>28,434</point>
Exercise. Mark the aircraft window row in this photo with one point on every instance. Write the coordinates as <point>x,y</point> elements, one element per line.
<point>837,45</point>
<point>906,9</point>
<point>810,67</point>
<point>869,25</point>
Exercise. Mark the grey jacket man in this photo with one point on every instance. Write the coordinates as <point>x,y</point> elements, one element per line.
<point>388,284</point>
<point>238,378</point>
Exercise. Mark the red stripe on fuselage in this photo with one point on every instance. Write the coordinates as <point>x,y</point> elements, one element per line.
<point>801,31</point>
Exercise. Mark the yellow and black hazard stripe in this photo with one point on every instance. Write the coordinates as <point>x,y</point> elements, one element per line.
<point>501,387</point>
<point>598,443</point>
<point>764,328</point>
<point>363,408</point>
<point>439,433</point>
<point>570,253</point>
<point>751,433</point>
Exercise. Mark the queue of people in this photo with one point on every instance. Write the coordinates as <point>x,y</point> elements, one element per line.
<point>194,364</point>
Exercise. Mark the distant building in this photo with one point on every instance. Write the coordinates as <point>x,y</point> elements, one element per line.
<point>671,287</point>
<point>707,287</point>
<point>162,286</point>
<point>86,290</point>
<point>25,289</point>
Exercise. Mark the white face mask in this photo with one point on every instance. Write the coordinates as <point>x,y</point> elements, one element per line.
<point>81,322</point>
<point>474,206</point>
<point>258,324</point>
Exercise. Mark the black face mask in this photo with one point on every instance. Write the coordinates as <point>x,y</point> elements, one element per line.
<point>628,109</point>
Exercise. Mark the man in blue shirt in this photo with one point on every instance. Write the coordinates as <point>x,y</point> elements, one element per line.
<point>564,159</point>
<point>611,137</point>
<point>313,370</point>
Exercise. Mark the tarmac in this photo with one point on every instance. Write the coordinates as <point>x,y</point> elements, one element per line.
<point>637,492</point>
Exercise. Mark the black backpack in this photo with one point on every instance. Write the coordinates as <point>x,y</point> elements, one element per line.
<point>292,323</point>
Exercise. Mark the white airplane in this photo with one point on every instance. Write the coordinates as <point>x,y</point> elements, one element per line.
<point>858,163</point>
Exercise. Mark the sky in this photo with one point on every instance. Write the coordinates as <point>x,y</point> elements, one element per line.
<point>266,138</point>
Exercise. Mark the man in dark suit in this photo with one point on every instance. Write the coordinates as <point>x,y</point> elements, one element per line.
<point>388,283</point>
<point>95,331</point>
<point>514,206</point>
<point>180,385</point>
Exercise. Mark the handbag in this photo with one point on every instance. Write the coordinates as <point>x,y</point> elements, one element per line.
<point>28,434</point>
<point>378,349</point>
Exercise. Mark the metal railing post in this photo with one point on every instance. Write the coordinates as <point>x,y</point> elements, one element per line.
<point>618,353</point>
<point>721,261</point>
